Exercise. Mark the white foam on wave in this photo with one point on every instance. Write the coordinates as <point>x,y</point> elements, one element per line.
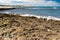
<point>48,17</point>
<point>10,13</point>
<point>7,12</point>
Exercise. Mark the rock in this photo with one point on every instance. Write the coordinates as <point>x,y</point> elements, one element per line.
<point>17,27</point>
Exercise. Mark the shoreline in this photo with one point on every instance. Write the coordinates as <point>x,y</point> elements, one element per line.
<point>41,18</point>
<point>30,15</point>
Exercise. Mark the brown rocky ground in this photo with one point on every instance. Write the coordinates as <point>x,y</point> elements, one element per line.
<point>15,27</point>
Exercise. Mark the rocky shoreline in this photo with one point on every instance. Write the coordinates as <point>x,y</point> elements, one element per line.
<point>6,8</point>
<point>16,27</point>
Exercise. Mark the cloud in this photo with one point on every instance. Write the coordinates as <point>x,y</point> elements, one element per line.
<point>5,1</point>
<point>31,2</point>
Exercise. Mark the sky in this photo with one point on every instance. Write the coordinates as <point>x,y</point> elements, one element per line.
<point>31,2</point>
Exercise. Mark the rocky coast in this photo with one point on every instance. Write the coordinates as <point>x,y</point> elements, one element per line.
<point>17,27</point>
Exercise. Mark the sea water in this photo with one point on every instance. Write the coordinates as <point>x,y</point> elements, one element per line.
<point>36,11</point>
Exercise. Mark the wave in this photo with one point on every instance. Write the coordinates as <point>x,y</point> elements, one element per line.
<point>43,8</point>
<point>47,17</point>
<point>34,8</point>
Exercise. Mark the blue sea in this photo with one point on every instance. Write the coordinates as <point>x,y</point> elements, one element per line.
<point>40,11</point>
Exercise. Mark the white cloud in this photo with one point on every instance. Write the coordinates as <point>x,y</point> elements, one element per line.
<point>31,2</point>
<point>5,0</point>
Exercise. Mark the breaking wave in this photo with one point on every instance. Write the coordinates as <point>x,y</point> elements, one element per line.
<point>47,17</point>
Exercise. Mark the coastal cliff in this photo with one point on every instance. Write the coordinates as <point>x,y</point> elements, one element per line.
<point>17,27</point>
